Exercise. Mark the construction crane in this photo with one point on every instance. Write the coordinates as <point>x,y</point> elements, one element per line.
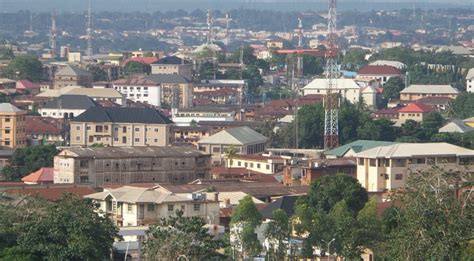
<point>331,102</point>
<point>89,30</point>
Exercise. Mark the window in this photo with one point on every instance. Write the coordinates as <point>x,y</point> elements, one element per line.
<point>137,129</point>
<point>361,162</point>
<point>7,143</point>
<point>258,165</point>
<point>398,176</point>
<point>268,166</point>
<point>216,149</point>
<point>78,127</point>
<point>84,179</point>
<point>155,140</point>
<point>156,129</point>
<point>84,163</point>
<point>197,207</point>
<point>98,128</point>
<point>239,163</point>
<point>251,164</point>
<point>124,139</point>
<point>416,161</point>
<point>372,162</point>
<point>151,207</point>
<point>7,131</point>
<point>170,207</point>
<point>182,207</point>
<point>78,138</point>
<point>7,119</point>
<point>137,139</point>
<point>88,128</point>
<point>124,129</point>
<point>129,207</point>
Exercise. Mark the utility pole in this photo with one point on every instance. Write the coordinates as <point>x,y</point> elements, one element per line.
<point>89,30</point>
<point>331,102</point>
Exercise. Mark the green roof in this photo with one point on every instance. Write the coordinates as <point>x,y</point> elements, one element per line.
<point>357,146</point>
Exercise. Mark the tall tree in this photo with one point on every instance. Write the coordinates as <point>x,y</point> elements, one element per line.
<point>230,153</point>
<point>25,67</point>
<point>178,235</point>
<point>277,235</point>
<point>392,89</point>
<point>26,160</point>
<point>245,219</point>
<point>98,74</point>
<point>136,68</point>
<point>463,106</point>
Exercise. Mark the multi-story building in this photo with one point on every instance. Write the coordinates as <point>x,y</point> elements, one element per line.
<point>347,88</point>
<point>12,126</point>
<point>124,165</point>
<point>388,167</point>
<point>172,65</point>
<point>96,94</point>
<point>138,206</point>
<point>470,81</point>
<point>72,76</point>
<point>258,163</point>
<point>244,139</point>
<point>163,90</point>
<point>380,73</point>
<point>44,130</point>
<point>415,92</point>
<point>209,86</point>
<point>66,106</point>
<point>186,117</point>
<point>414,111</point>
<point>307,173</point>
<point>120,126</point>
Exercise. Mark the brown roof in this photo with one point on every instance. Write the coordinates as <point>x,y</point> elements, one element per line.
<point>379,70</point>
<point>41,175</point>
<point>52,193</point>
<point>42,125</point>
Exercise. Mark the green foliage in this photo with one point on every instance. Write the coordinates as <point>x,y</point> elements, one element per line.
<point>178,235</point>
<point>26,160</point>
<point>354,59</point>
<point>245,218</point>
<point>70,229</point>
<point>6,54</point>
<point>136,68</point>
<point>25,67</point>
<point>392,89</point>
<point>431,124</point>
<point>98,74</point>
<point>434,222</point>
<point>277,233</point>
<point>206,71</point>
<point>313,65</point>
<point>248,56</point>
<point>463,106</point>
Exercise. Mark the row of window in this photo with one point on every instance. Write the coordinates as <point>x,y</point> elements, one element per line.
<point>403,162</point>
<point>246,164</point>
<point>151,207</point>
<point>131,88</point>
<point>116,139</point>
<point>105,128</point>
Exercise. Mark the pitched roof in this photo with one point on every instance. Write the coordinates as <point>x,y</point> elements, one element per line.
<point>67,101</point>
<point>52,193</point>
<point>131,152</point>
<point>379,70</point>
<point>144,60</point>
<point>357,146</point>
<point>417,107</point>
<point>171,60</point>
<point>41,175</point>
<point>395,64</point>
<point>25,84</point>
<point>456,126</point>
<point>72,70</point>
<point>123,115</point>
<point>430,89</point>
<point>322,83</point>
<point>235,136</point>
<point>77,90</point>
<point>286,203</point>
<point>406,150</point>
<point>470,74</point>
<point>166,78</point>
<point>8,107</point>
<point>136,82</point>
<point>132,194</point>
<point>43,125</point>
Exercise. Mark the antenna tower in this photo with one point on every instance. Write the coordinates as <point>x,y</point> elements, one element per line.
<point>331,103</point>
<point>53,35</point>
<point>89,30</point>
<point>227,21</point>
<point>299,62</point>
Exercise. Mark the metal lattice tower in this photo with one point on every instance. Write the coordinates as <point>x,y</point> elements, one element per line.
<point>331,102</point>
<point>227,21</point>
<point>299,62</point>
<point>53,35</point>
<point>210,22</point>
<point>89,30</point>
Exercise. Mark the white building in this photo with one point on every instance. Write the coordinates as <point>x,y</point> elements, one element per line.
<point>184,117</point>
<point>96,94</point>
<point>386,168</point>
<point>258,163</point>
<point>348,88</point>
<point>470,81</point>
<point>66,106</point>
<point>139,90</point>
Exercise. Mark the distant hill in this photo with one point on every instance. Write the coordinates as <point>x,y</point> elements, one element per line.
<point>166,5</point>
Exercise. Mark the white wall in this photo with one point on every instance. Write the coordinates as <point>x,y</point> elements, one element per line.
<point>57,113</point>
<point>145,94</point>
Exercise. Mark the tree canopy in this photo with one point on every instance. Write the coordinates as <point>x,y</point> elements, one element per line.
<point>25,67</point>
<point>244,221</point>
<point>26,160</point>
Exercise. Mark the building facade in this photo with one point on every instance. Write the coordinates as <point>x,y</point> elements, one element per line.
<point>118,126</point>
<point>387,168</point>
<point>12,126</point>
<point>72,76</point>
<point>172,65</point>
<point>418,91</point>
<point>137,206</point>
<point>125,165</point>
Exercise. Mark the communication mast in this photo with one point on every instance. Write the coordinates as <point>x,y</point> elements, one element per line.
<point>53,35</point>
<point>209,26</point>
<point>299,62</point>
<point>227,21</point>
<point>89,30</point>
<point>331,102</point>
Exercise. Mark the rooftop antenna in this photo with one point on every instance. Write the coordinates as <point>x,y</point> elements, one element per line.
<point>53,35</point>
<point>89,30</point>
<point>331,103</point>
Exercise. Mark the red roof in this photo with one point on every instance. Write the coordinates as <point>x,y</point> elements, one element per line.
<point>144,60</point>
<point>417,107</point>
<point>43,175</point>
<point>52,193</point>
<point>379,70</point>
<point>42,125</point>
<point>25,84</point>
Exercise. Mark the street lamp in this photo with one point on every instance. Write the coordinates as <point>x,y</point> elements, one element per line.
<point>329,245</point>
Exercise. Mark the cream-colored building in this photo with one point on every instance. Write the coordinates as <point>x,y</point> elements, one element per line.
<point>96,94</point>
<point>12,126</point>
<point>72,76</point>
<point>172,65</point>
<point>258,163</point>
<point>138,206</point>
<point>387,168</point>
<point>121,126</point>
<point>125,165</point>
<point>415,92</point>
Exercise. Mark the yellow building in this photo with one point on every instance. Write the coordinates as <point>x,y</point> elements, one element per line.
<point>119,126</point>
<point>12,126</point>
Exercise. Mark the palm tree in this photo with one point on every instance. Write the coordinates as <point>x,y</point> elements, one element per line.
<point>230,153</point>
